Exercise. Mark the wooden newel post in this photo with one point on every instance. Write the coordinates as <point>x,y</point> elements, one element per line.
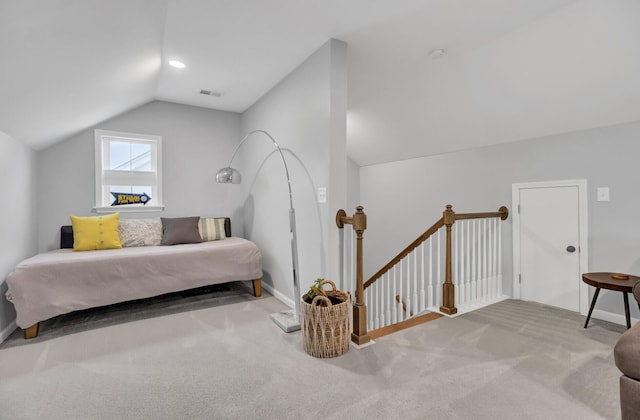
<point>359,222</point>
<point>359,334</point>
<point>448,288</point>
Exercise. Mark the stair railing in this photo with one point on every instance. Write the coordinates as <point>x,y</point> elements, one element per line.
<point>412,283</point>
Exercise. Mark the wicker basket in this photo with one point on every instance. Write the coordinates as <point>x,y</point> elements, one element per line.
<point>325,327</point>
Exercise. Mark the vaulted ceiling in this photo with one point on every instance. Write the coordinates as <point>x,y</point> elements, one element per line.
<point>513,69</point>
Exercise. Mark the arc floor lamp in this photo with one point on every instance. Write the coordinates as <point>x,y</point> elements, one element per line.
<point>287,320</point>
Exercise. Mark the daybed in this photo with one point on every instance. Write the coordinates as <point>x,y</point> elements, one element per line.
<point>62,281</point>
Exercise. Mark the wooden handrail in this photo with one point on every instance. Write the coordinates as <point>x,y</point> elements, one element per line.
<point>502,213</point>
<point>413,245</point>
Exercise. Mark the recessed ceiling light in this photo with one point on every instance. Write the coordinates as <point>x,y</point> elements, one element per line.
<point>177,64</point>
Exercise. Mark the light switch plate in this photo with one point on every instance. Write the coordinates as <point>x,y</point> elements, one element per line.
<point>602,194</point>
<point>322,194</point>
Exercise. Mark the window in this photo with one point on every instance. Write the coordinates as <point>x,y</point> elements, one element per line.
<point>128,166</point>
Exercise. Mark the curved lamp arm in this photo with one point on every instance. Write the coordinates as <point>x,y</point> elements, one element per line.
<point>230,175</point>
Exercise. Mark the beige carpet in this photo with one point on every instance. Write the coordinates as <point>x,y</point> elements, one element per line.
<point>219,356</point>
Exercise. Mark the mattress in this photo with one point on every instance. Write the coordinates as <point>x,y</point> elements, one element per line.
<point>63,281</point>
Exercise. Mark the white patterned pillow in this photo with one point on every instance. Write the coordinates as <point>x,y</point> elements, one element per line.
<point>140,232</point>
<point>211,229</point>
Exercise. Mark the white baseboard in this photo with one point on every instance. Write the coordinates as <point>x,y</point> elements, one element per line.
<point>6,332</point>
<point>612,317</point>
<point>282,298</point>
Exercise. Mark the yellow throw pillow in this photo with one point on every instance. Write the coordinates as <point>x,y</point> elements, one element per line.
<point>98,232</point>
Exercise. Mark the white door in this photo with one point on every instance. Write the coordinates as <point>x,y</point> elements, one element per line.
<point>549,245</point>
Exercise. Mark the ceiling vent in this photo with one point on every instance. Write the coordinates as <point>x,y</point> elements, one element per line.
<point>210,93</point>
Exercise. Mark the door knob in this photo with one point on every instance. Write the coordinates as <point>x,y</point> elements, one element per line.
<point>571,248</point>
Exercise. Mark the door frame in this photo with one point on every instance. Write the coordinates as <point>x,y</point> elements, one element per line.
<point>583,227</point>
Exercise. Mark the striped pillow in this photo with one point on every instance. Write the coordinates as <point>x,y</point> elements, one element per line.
<point>211,229</point>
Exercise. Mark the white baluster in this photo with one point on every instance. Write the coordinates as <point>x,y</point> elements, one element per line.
<point>422,279</point>
<point>399,294</point>
<point>401,282</point>
<point>414,304</point>
<point>499,258</point>
<point>414,282</point>
<point>496,257</point>
<point>431,296</point>
<point>406,273</point>
<point>454,234</point>
<point>410,282</point>
<point>478,259</point>
<point>439,279</point>
<point>409,286</point>
<point>383,300</point>
<point>464,255</point>
<point>394,312</point>
<point>367,301</point>
<point>372,292</point>
<point>387,298</point>
<point>347,261</point>
<point>459,282</point>
<point>489,257</point>
<point>381,288</point>
<point>487,223</point>
<point>492,282</point>
<point>353,262</point>
<point>341,258</point>
<point>468,244</point>
<point>406,298</point>
<point>492,222</point>
<point>406,282</point>
<point>485,259</point>
<point>472,262</point>
<point>380,311</point>
<point>482,290</point>
<point>461,279</point>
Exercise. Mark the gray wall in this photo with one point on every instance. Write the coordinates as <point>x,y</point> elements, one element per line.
<point>17,216</point>
<point>412,194</point>
<point>196,142</point>
<point>306,114</point>
<point>353,186</point>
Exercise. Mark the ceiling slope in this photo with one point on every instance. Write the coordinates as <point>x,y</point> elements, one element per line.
<point>548,68</point>
<point>242,49</point>
<point>67,65</point>
<point>514,69</point>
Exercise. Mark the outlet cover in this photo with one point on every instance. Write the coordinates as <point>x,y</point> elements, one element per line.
<point>322,194</point>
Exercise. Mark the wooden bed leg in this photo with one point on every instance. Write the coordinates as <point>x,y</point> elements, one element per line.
<point>32,331</point>
<point>257,287</point>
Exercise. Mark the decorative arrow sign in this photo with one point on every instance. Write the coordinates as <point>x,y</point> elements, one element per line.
<point>122,199</point>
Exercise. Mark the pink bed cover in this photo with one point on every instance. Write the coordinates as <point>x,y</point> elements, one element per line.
<point>62,281</point>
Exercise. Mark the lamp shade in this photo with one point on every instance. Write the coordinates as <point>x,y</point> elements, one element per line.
<point>228,175</point>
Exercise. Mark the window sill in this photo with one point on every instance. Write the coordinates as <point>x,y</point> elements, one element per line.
<point>128,209</point>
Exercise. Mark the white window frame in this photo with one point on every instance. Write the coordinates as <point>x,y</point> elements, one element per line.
<point>153,178</point>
